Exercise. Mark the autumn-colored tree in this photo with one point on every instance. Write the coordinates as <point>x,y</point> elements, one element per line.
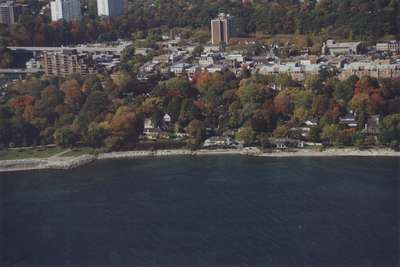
<point>74,98</point>
<point>263,120</point>
<point>283,104</point>
<point>21,102</point>
<point>125,124</point>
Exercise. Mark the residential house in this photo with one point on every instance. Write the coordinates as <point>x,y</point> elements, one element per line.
<point>349,120</point>
<point>221,141</point>
<point>150,131</point>
<point>143,51</point>
<point>372,126</point>
<point>285,143</point>
<point>179,68</point>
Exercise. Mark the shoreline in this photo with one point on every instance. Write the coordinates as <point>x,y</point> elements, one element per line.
<point>66,163</point>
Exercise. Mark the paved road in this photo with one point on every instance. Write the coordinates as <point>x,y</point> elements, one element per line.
<point>81,48</point>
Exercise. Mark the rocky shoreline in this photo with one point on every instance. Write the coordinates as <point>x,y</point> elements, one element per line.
<point>65,163</point>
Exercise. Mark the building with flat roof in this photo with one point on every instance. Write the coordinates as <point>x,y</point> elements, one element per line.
<point>68,10</point>
<point>68,62</point>
<point>9,12</point>
<point>110,8</point>
<point>222,29</point>
<point>373,69</point>
<point>330,47</point>
<point>389,47</point>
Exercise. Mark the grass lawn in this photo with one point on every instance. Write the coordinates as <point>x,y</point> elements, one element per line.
<point>29,153</point>
<point>79,151</point>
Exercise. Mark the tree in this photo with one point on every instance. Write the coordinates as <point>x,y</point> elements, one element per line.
<point>246,135</point>
<point>197,132</point>
<point>313,83</point>
<point>125,125</point>
<point>283,104</point>
<point>252,92</point>
<point>96,134</point>
<point>74,97</point>
<point>390,129</point>
<point>263,120</point>
<point>320,105</point>
<point>91,83</point>
<point>181,85</point>
<point>128,53</point>
<point>359,104</point>
<point>65,137</point>
<point>6,58</point>
<point>95,106</point>
<point>330,134</point>
<point>343,91</point>
<point>5,127</point>
<point>313,134</point>
<point>281,131</point>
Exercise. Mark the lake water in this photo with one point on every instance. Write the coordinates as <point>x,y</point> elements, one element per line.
<point>204,211</point>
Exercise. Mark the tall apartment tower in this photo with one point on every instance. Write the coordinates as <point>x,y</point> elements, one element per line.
<point>222,29</point>
<point>69,10</point>
<point>9,12</point>
<point>110,8</point>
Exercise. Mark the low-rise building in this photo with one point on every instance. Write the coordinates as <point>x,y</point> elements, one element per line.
<point>295,70</point>
<point>349,120</point>
<point>32,64</point>
<point>389,47</point>
<point>216,68</point>
<point>179,68</point>
<point>285,143</point>
<point>373,69</point>
<point>68,62</point>
<point>150,131</point>
<point>330,47</point>
<point>143,51</point>
<point>219,141</point>
<point>372,126</point>
<point>208,59</point>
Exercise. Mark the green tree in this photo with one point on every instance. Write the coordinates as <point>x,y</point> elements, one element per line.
<point>197,132</point>
<point>65,137</point>
<point>246,135</point>
<point>330,134</point>
<point>390,129</point>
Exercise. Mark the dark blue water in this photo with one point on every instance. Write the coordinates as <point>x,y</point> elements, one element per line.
<point>204,211</point>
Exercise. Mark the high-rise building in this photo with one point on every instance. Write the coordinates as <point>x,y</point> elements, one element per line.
<point>110,8</point>
<point>69,10</point>
<point>222,29</point>
<point>9,12</point>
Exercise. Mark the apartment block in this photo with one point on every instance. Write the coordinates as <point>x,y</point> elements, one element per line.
<point>222,29</point>
<point>110,8</point>
<point>68,10</point>
<point>9,12</point>
<point>68,62</point>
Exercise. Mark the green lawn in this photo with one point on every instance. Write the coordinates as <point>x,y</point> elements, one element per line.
<point>29,153</point>
<point>79,151</point>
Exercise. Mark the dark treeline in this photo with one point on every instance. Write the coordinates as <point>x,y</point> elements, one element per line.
<point>349,19</point>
